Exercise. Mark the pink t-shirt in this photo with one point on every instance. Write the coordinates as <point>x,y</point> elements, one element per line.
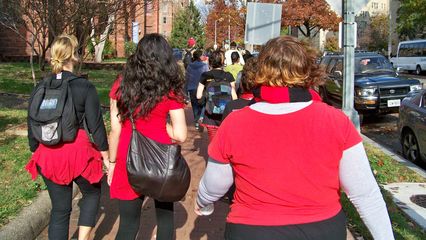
<point>153,126</point>
<point>286,166</point>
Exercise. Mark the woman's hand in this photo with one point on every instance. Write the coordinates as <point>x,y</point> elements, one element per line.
<point>105,158</point>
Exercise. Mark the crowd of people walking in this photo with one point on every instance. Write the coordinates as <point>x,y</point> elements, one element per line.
<point>279,154</point>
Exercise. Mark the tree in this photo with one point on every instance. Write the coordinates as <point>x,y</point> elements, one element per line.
<point>331,44</point>
<point>411,20</point>
<point>187,24</point>
<point>310,16</point>
<point>229,20</point>
<point>376,35</point>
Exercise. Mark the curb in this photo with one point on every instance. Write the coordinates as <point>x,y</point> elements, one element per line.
<point>31,221</point>
<point>396,157</point>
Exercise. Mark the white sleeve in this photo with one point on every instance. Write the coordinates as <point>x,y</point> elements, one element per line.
<point>361,187</point>
<point>216,181</point>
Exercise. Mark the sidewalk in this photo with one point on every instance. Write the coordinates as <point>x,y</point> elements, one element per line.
<point>188,224</point>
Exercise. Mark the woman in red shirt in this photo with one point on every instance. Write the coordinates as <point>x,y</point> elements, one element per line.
<point>150,90</point>
<point>78,161</point>
<point>290,156</point>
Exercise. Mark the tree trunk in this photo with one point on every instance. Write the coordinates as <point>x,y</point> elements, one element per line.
<point>32,61</point>
<point>99,48</point>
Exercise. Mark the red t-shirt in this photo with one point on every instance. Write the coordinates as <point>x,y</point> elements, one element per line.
<point>286,166</point>
<point>153,126</point>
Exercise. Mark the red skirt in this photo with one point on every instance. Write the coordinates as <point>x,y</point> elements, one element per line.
<point>64,162</point>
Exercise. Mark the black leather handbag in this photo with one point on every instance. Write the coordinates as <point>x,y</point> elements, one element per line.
<point>156,170</point>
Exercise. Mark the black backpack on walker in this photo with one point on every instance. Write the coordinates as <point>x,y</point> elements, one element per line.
<point>51,112</point>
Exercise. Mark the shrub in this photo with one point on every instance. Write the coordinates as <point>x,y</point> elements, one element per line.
<point>129,48</point>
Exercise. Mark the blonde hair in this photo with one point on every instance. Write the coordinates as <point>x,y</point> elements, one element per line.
<point>287,61</point>
<point>63,51</point>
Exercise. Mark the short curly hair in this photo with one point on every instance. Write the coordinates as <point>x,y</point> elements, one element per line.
<point>287,61</point>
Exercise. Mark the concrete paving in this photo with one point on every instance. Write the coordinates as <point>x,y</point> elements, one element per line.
<point>403,194</point>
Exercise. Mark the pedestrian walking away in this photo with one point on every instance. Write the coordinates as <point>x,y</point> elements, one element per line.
<point>77,160</point>
<point>215,89</point>
<point>193,74</point>
<point>228,59</point>
<point>150,91</point>
<point>290,156</point>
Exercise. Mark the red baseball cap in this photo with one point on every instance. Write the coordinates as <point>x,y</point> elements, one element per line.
<point>191,42</point>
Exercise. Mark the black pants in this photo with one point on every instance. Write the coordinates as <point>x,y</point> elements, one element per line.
<point>197,109</point>
<point>331,229</point>
<point>61,197</point>
<point>130,216</point>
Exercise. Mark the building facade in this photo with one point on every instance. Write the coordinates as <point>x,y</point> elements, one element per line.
<point>132,22</point>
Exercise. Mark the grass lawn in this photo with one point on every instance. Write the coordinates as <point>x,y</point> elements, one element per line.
<point>16,187</point>
<point>16,78</point>
<point>9,117</point>
<point>387,170</point>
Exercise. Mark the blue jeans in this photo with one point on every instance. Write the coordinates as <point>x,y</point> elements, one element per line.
<point>196,107</point>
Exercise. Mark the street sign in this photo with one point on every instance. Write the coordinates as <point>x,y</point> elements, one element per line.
<point>336,5</point>
<point>263,22</point>
<point>341,34</point>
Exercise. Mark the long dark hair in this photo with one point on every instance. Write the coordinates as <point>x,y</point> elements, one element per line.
<point>150,74</point>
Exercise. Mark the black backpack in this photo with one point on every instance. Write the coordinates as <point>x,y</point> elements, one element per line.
<point>218,93</point>
<point>187,59</point>
<point>51,112</point>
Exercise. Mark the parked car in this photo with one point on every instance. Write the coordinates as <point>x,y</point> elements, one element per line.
<point>378,88</point>
<point>412,126</point>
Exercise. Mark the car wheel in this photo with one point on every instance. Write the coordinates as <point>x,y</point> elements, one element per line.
<point>410,147</point>
<point>418,70</point>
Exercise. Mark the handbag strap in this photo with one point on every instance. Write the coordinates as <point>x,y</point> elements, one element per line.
<point>132,120</point>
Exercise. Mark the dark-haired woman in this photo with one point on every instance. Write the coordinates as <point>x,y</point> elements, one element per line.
<point>150,90</point>
<point>290,157</point>
<point>212,121</point>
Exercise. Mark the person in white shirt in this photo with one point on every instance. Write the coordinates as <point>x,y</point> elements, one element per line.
<point>228,60</point>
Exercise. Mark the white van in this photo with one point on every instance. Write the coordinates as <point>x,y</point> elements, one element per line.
<point>411,56</point>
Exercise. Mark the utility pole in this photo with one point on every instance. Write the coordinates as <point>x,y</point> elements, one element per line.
<point>349,62</point>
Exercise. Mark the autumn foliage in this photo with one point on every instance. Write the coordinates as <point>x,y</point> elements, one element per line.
<point>309,16</point>
<point>227,17</point>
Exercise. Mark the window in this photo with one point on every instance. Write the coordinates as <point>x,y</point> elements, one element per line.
<point>338,66</point>
<point>331,65</point>
<point>375,5</point>
<point>164,19</point>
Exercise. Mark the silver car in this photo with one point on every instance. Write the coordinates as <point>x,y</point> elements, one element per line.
<point>412,126</point>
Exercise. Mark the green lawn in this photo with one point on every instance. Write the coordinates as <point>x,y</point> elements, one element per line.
<point>16,78</point>
<point>9,117</point>
<point>16,187</point>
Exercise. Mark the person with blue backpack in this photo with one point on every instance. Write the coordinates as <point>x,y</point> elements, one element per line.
<point>215,89</point>
<point>63,110</point>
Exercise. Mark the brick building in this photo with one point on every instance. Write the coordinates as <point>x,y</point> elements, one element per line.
<point>132,22</point>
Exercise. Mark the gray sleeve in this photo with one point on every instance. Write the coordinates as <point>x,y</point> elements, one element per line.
<point>216,181</point>
<point>361,187</point>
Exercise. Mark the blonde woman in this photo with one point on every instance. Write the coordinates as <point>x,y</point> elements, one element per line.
<point>79,161</point>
